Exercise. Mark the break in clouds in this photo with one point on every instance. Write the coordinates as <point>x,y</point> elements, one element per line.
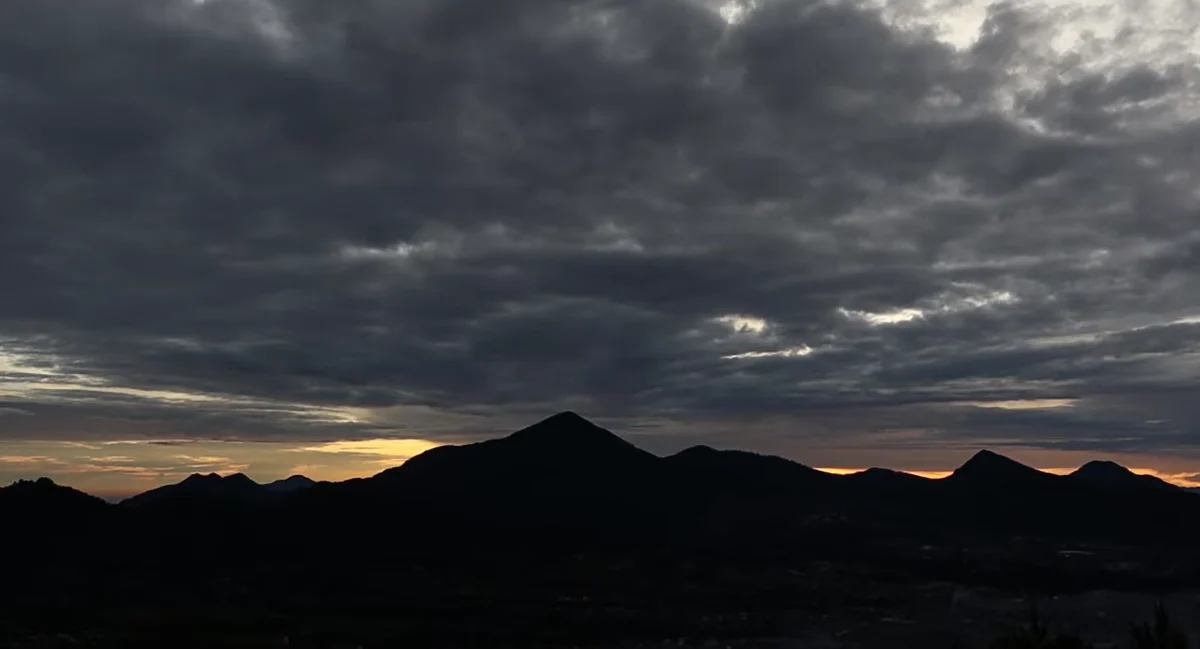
<point>301,219</point>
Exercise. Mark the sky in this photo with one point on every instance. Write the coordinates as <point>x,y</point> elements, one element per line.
<point>301,236</point>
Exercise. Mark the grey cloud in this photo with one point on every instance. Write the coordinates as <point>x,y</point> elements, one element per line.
<point>505,209</point>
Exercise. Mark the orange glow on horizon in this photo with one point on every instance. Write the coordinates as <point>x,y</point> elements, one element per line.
<point>1179,479</point>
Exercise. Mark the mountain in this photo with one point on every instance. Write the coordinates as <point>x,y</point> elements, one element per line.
<point>567,522</point>
<point>881,480</point>
<point>42,497</point>
<point>197,487</point>
<point>565,447</point>
<point>1104,473</point>
<point>565,478</point>
<point>987,468</point>
<point>563,472</point>
<point>290,484</point>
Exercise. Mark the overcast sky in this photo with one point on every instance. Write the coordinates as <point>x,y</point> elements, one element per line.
<point>303,235</point>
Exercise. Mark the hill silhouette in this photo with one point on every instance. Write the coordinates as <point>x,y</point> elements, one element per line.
<point>43,498</point>
<point>562,447</point>
<point>290,484</point>
<point>197,487</point>
<point>1110,474</point>
<point>566,477</point>
<point>987,468</point>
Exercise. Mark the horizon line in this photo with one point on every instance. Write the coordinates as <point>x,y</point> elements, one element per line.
<point>1176,479</point>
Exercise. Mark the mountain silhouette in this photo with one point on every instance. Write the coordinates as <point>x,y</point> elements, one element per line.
<point>1110,474</point>
<point>44,496</point>
<point>201,487</point>
<point>565,480</point>
<point>565,447</point>
<point>563,472</point>
<point>988,467</point>
<point>290,484</point>
<point>565,513</point>
<point>880,479</point>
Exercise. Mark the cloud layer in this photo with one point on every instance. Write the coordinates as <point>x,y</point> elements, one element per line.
<point>245,219</point>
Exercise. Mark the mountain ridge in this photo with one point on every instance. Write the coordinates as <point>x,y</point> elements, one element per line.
<point>566,474</point>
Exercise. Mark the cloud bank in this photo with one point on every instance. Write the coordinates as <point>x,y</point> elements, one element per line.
<point>304,220</point>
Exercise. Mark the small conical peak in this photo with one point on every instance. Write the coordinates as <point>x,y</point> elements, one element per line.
<point>562,426</point>
<point>239,479</point>
<point>567,418</point>
<point>987,462</point>
<point>568,433</point>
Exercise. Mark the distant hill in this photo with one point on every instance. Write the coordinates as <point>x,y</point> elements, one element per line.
<point>201,487</point>
<point>879,480</point>
<point>27,506</point>
<point>290,484</point>
<point>1104,473</point>
<point>988,469</point>
<point>44,493</point>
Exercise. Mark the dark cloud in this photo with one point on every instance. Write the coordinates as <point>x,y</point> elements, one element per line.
<point>630,208</point>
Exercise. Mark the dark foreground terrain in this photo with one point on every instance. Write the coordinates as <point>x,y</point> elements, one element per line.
<point>563,535</point>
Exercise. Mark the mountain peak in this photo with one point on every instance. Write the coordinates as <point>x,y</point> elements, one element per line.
<point>291,483</point>
<point>1111,474</point>
<point>566,429</point>
<point>1104,469</point>
<point>240,479</point>
<point>564,443</point>
<point>567,421</point>
<point>567,415</point>
<point>200,485</point>
<point>25,497</point>
<point>39,484</point>
<point>197,478</point>
<point>989,464</point>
